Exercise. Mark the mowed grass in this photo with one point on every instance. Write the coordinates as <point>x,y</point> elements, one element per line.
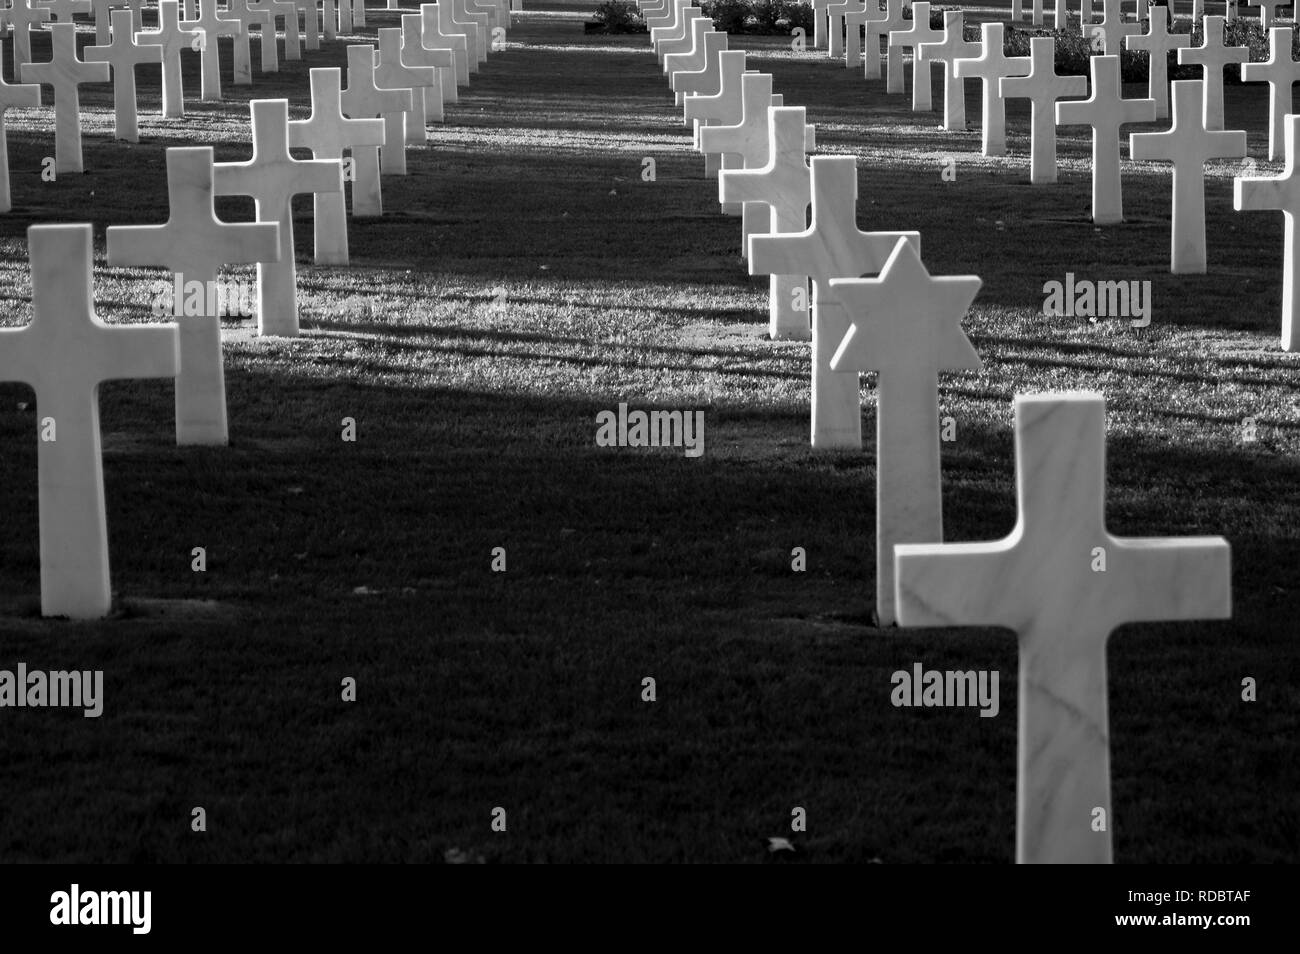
<point>476,425</point>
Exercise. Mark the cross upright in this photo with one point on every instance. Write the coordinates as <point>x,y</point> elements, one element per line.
<point>722,108</point>
<point>915,36</point>
<point>1188,145</point>
<point>1106,110</point>
<point>193,245</point>
<point>311,23</point>
<point>784,185</point>
<point>1113,28</point>
<point>953,47</point>
<point>122,55</point>
<point>172,38</point>
<point>1157,42</point>
<point>65,11</point>
<point>906,326</point>
<point>468,19</point>
<point>358,13</point>
<point>706,77</point>
<point>416,54</point>
<point>706,86</point>
<point>210,25</point>
<point>852,14</point>
<point>989,67</point>
<point>1063,583</point>
<point>240,12</point>
<point>820,32</point>
<point>11,94</point>
<point>328,134</point>
<point>882,27</point>
<point>1280,71</point>
<point>433,37</point>
<point>669,32</point>
<point>63,73</point>
<point>273,177</point>
<point>831,247</point>
<point>329,20</point>
<point>64,354</point>
<point>1281,193</point>
<point>103,9</point>
<point>364,100</point>
<point>1268,9</point>
<point>22,16</point>
<point>391,72</point>
<point>835,12</point>
<point>285,12</point>
<point>345,16</point>
<point>1213,56</point>
<point>1043,87</point>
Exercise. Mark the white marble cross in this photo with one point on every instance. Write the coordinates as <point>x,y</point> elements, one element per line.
<point>685,81</point>
<point>1281,193</point>
<point>433,38</point>
<point>210,25</point>
<point>820,23</point>
<point>1113,28</point>
<point>103,26</point>
<point>329,20</point>
<point>1106,110</point>
<point>708,85</point>
<point>1043,87</point>
<point>11,94</point>
<point>990,67</point>
<point>328,134</point>
<point>22,16</point>
<point>345,16</point>
<point>391,71</point>
<point>310,22</point>
<point>919,33</point>
<point>287,14</point>
<point>1268,9</point>
<point>363,99</point>
<point>1044,582</point>
<point>953,47</point>
<point>835,12</point>
<point>852,15</point>
<point>684,50</point>
<point>122,55</point>
<point>64,354</point>
<point>475,37</point>
<point>476,23</point>
<point>1157,42</point>
<point>783,184</point>
<point>63,73</point>
<point>831,247</point>
<point>906,326</point>
<point>416,54</point>
<point>193,245</point>
<point>723,108</point>
<point>1188,145</point>
<point>1213,56</point>
<point>1280,71</point>
<point>882,27</point>
<point>273,177</point>
<point>171,37</point>
<point>240,12</point>
<point>358,14</point>
<point>66,11</point>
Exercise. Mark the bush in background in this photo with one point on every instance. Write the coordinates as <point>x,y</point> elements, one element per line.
<point>620,16</point>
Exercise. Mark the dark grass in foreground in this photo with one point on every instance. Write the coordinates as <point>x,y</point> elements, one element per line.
<point>476,429</point>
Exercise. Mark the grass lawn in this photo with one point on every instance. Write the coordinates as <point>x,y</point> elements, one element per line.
<point>476,423</point>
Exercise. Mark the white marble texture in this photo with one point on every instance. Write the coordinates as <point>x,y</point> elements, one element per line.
<point>685,56</point>
<point>273,177</point>
<point>723,108</point>
<point>467,63</point>
<point>476,23</point>
<point>1043,87</point>
<point>1281,193</point>
<point>171,37</point>
<point>364,99</point>
<point>1212,56</point>
<point>906,326</point>
<point>831,247</point>
<point>23,17</point>
<point>64,354</point>
<point>951,48</point>
<point>990,67</point>
<point>784,185</point>
<point>391,71</point>
<point>918,34</point>
<point>1158,42</point>
<point>416,53</point>
<point>210,25</point>
<point>703,72</point>
<point>64,73</point>
<point>193,245</point>
<point>1040,582</point>
<point>876,28</point>
<point>747,141</point>
<point>329,135</point>
<point>1280,71</point>
<point>286,14</point>
<point>248,19</point>
<point>433,38</point>
<point>1188,145</point>
<point>11,95</point>
<point>122,55</point>
<point>1106,111</point>
<point>1112,28</point>
<point>669,25</point>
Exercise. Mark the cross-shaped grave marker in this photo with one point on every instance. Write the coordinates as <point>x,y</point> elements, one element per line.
<point>1188,145</point>
<point>345,16</point>
<point>951,48</point>
<point>358,14</point>
<point>1281,193</point>
<point>287,14</point>
<point>906,326</point>
<point>240,12</point>
<point>671,25</point>
<point>831,247</point>
<point>783,184</point>
<point>1157,42</point>
<point>1043,87</point>
<point>364,100</point>
<point>273,177</point>
<point>685,81</point>
<point>329,19</point>
<point>877,27</point>
<point>415,54</point>
<point>1113,28</point>
<point>1063,583</point>
<point>21,16</point>
<point>683,54</point>
<point>835,13</point>
<point>1268,9</point>
<point>990,67</point>
<point>466,61</point>
<point>193,245</point>
<point>1106,110</point>
<point>122,55</point>
<point>328,134</point>
<point>64,354</point>
<point>468,19</point>
<point>66,11</point>
<point>1281,70</point>
<point>11,94</point>
<point>721,109</point>
<point>172,38</point>
<point>915,36</point>
<point>210,25</point>
<point>820,24</point>
<point>311,23</point>
<point>392,72</point>
<point>1213,56</point>
<point>852,16</point>
<point>103,25</point>
<point>63,73</point>
<point>453,20</point>
<point>432,37</point>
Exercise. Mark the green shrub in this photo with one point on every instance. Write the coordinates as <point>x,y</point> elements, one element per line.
<point>729,16</point>
<point>799,15</point>
<point>620,16</point>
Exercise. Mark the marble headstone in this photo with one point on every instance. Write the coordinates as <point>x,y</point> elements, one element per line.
<point>392,72</point>
<point>1212,56</point>
<point>64,73</point>
<point>951,48</point>
<point>364,99</point>
<point>1043,87</point>
<point>416,53</point>
<point>990,67</point>
<point>122,55</point>
<point>11,95</point>
<point>915,36</point>
<point>171,37</point>
<point>1158,42</point>
<point>1280,71</point>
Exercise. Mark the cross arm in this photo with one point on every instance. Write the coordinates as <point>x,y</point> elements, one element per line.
<point>955,584</point>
